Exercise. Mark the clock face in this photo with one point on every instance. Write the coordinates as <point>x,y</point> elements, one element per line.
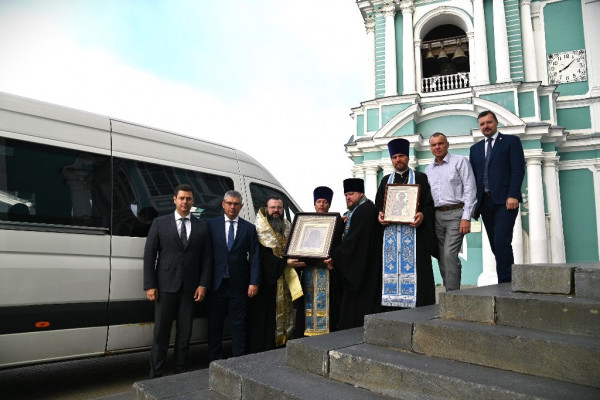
<point>567,67</point>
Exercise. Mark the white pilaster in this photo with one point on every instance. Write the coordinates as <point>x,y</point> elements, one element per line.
<point>538,239</point>
<point>529,58</point>
<point>557,239</point>
<point>371,181</point>
<point>489,275</point>
<point>480,53</point>
<point>391,80</point>
<point>517,240</point>
<point>408,48</point>
<point>370,28</point>
<point>501,43</point>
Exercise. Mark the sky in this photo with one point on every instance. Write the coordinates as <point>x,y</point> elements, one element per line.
<point>273,78</point>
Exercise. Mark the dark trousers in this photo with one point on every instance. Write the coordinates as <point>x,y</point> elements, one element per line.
<point>499,223</point>
<point>169,307</point>
<point>223,302</point>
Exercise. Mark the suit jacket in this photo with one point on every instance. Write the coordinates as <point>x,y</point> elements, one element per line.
<point>506,169</point>
<point>168,265</point>
<point>243,259</point>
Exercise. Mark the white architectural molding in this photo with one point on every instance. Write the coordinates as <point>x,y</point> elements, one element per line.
<point>408,46</point>
<point>551,182</point>
<point>538,238</point>
<point>482,71</point>
<point>501,43</point>
<point>529,58</point>
<point>391,82</point>
<point>370,28</point>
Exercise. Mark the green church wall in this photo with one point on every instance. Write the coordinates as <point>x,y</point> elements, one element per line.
<point>372,119</point>
<point>561,36</point>
<point>360,125</point>
<point>545,108</point>
<point>489,34</point>
<point>505,99</point>
<point>579,155</point>
<point>579,215</point>
<point>526,104</point>
<point>399,50</point>
<point>372,155</point>
<point>547,147</point>
<point>531,144</point>
<point>574,118</point>
<point>390,111</point>
<point>406,129</point>
<point>451,125</point>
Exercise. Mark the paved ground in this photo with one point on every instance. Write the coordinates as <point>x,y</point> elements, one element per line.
<point>91,378</point>
<point>88,378</point>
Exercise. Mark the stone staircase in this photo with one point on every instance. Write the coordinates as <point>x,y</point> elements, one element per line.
<point>537,338</point>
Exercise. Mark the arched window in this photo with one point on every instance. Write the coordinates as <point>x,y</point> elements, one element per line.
<point>445,55</point>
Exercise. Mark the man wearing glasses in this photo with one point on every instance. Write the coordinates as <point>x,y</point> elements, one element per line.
<point>235,277</point>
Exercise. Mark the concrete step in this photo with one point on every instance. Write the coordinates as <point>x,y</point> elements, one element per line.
<point>587,281</point>
<point>266,376</point>
<point>394,329</point>
<point>188,386</point>
<point>311,354</point>
<point>569,358</point>
<point>500,305</point>
<point>401,374</point>
<point>582,279</point>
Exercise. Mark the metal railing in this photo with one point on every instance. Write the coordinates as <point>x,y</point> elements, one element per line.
<point>445,82</point>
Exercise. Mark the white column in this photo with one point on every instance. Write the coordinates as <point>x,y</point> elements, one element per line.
<point>388,169</point>
<point>538,239</point>
<point>371,181</point>
<point>529,58</point>
<point>472,61</point>
<point>391,81</point>
<point>501,43</point>
<point>517,240</point>
<point>408,50</point>
<point>489,275</point>
<point>370,27</point>
<point>480,52</point>
<point>557,239</point>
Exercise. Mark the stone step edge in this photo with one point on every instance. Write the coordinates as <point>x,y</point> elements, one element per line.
<point>432,376</point>
<point>569,358</point>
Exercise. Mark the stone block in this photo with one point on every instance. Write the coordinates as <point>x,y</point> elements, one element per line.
<point>312,353</point>
<point>476,304</point>
<point>543,278</point>
<point>587,281</point>
<point>191,385</point>
<point>395,329</point>
<point>405,375</point>
<point>569,358</point>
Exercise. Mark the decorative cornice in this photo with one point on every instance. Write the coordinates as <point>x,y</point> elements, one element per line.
<point>388,9</point>
<point>407,6</point>
<point>370,24</point>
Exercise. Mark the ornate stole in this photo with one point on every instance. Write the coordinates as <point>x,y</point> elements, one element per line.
<point>400,262</point>
<point>288,285</point>
<point>316,301</point>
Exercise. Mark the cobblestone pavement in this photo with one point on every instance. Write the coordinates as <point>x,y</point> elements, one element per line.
<point>88,378</point>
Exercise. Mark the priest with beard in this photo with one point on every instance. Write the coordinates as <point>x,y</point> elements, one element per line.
<point>270,320</point>
<point>407,248</point>
<point>357,259</point>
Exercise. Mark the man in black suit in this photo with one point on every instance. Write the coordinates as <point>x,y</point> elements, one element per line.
<point>236,275</point>
<point>499,166</point>
<point>177,268</point>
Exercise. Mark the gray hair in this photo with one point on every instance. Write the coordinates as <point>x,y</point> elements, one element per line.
<point>233,193</point>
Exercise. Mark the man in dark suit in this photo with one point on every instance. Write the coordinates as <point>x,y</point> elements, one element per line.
<point>236,275</point>
<point>177,268</point>
<point>499,166</point>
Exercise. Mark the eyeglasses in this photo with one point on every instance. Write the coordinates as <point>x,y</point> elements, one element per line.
<point>231,203</point>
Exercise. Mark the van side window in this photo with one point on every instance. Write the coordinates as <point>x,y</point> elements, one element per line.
<point>260,194</point>
<point>143,191</point>
<point>44,184</point>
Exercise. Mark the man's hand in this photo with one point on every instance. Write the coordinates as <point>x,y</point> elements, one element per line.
<point>380,219</point>
<point>252,291</point>
<point>200,293</point>
<point>329,263</point>
<point>419,217</point>
<point>152,294</point>
<point>512,203</point>
<point>294,263</point>
<point>465,226</point>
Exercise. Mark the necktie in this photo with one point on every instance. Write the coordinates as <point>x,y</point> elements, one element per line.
<point>230,235</point>
<point>488,153</point>
<point>183,232</point>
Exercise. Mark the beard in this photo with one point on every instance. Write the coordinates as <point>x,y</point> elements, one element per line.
<point>276,223</point>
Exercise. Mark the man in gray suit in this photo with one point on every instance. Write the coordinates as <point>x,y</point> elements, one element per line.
<point>177,268</point>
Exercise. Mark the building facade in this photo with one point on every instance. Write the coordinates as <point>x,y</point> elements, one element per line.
<point>435,64</point>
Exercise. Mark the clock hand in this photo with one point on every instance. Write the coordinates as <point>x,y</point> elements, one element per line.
<point>567,66</point>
